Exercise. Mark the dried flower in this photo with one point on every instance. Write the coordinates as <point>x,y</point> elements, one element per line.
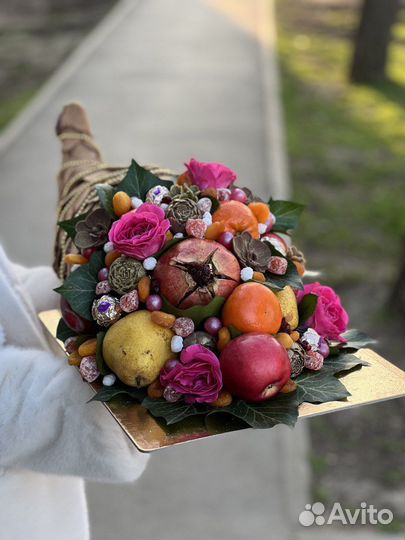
<point>180,211</point>
<point>251,252</point>
<point>93,230</point>
<point>184,192</point>
<point>124,274</point>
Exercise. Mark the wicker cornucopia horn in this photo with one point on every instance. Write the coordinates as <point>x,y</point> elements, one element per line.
<point>81,170</point>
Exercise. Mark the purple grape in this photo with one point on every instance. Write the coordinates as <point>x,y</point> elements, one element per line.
<point>323,347</point>
<point>213,325</point>
<point>103,274</point>
<point>238,195</point>
<point>154,303</point>
<point>226,239</point>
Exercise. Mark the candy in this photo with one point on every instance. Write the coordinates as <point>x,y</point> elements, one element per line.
<point>176,344</point>
<point>129,302</point>
<point>106,310</point>
<point>121,203</point>
<point>262,228</point>
<point>88,347</point>
<point>223,194</point>
<point>207,218</point>
<point>154,303</point>
<point>311,338</point>
<point>88,369</point>
<point>196,228</point>
<point>149,263</point>
<point>70,344</point>
<point>224,337</point>
<point>109,380</point>
<point>163,319</point>
<point>246,273</point>
<point>103,287</point>
<point>278,265</point>
<point>171,395</point>
<point>75,258</point>
<point>155,390</point>
<point>136,202</point>
<point>184,326</point>
<point>313,360</point>
<point>178,235</point>
<point>108,246</point>
<point>213,325</point>
<point>224,399</point>
<point>144,288</point>
<point>74,359</point>
<point>156,194</point>
<point>204,204</point>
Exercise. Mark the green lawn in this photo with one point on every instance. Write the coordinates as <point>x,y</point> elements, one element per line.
<point>345,142</point>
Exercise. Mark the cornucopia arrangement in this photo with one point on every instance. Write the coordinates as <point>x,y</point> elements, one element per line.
<point>186,294</point>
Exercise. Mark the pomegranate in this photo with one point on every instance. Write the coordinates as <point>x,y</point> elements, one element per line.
<point>195,271</point>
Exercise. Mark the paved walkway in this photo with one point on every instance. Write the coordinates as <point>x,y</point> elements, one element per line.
<point>165,80</point>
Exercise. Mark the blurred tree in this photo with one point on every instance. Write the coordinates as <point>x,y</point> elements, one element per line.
<point>372,40</point>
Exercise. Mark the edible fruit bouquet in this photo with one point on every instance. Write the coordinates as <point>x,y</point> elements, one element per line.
<point>188,297</point>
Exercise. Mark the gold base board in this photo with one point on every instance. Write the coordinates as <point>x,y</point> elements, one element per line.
<point>379,381</point>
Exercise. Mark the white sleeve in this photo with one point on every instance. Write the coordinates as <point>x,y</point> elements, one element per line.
<point>47,425</point>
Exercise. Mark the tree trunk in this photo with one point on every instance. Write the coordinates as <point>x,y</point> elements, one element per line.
<point>372,40</point>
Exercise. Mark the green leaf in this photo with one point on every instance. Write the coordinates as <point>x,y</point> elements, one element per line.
<point>106,193</point>
<point>356,339</point>
<point>197,313</point>
<point>107,393</point>
<point>283,409</point>
<point>307,307</point>
<point>322,386</point>
<point>138,181</point>
<point>102,367</point>
<point>234,332</point>
<point>287,214</point>
<point>79,287</point>
<point>63,332</point>
<point>167,246</point>
<point>69,225</point>
<point>174,412</point>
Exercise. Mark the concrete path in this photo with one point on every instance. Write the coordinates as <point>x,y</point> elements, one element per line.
<point>165,80</point>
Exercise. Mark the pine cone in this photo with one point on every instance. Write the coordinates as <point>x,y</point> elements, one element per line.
<point>297,358</point>
<point>124,274</point>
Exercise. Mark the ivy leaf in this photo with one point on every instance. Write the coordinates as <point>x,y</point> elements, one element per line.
<point>234,332</point>
<point>197,313</point>
<point>69,225</point>
<point>287,215</point>
<point>322,386</point>
<point>307,307</point>
<point>79,287</point>
<point>106,193</point>
<point>63,332</point>
<point>101,365</point>
<point>138,181</point>
<point>107,393</point>
<point>283,409</point>
<point>174,412</point>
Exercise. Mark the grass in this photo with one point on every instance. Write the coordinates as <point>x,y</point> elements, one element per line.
<point>344,141</point>
<point>10,107</point>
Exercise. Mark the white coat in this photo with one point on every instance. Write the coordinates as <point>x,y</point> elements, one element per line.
<point>50,438</point>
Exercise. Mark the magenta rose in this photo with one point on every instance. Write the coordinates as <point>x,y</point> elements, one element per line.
<point>330,319</point>
<point>210,175</point>
<point>140,233</point>
<point>196,376</point>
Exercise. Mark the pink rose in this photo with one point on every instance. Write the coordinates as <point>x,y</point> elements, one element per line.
<point>210,175</point>
<point>330,319</point>
<point>197,376</point>
<point>140,233</point>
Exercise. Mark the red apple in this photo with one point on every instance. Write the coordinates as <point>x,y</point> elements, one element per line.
<point>255,367</point>
<point>195,271</point>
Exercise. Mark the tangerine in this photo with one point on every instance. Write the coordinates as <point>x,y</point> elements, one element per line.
<point>237,218</point>
<point>252,307</point>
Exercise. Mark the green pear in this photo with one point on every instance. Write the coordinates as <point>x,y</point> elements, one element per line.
<point>136,349</point>
<point>289,308</point>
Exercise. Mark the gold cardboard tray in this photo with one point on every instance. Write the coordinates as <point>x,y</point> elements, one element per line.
<point>380,381</point>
